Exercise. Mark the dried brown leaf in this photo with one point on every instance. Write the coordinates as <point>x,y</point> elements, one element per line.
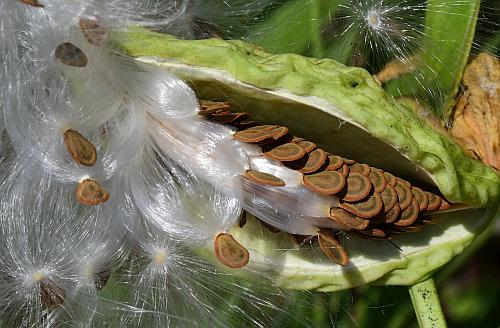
<point>476,120</point>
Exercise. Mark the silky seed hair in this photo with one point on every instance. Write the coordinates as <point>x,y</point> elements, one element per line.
<point>52,251</point>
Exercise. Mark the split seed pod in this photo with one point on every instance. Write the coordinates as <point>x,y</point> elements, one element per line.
<point>369,127</point>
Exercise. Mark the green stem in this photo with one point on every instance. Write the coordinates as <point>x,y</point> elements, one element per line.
<point>316,23</point>
<point>426,304</point>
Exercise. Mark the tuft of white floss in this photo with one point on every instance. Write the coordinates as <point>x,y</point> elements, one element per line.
<point>52,252</point>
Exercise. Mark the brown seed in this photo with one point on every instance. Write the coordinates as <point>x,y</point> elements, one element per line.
<point>226,118</point>
<point>286,152</point>
<point>229,252</point>
<point>347,221</point>
<point>79,148</point>
<point>316,159</point>
<point>405,195</point>
<point>335,162</point>
<point>209,107</point>
<point>344,170</point>
<point>349,161</point>
<point>326,182</point>
<point>264,178</point>
<point>444,205</point>
<point>245,124</point>
<point>372,233</point>
<point>378,180</point>
<point>367,208</point>
<point>307,145</point>
<point>421,198</point>
<point>101,279</point>
<point>51,295</point>
<point>357,188</point>
<point>332,248</point>
<point>89,192</point>
<point>362,169</point>
<point>406,183</point>
<point>391,179</point>
<point>389,197</point>
<point>71,55</point>
<point>393,214</point>
<point>266,127</point>
<point>34,3</point>
<point>279,132</point>
<point>434,201</point>
<point>94,31</point>
<point>409,215</point>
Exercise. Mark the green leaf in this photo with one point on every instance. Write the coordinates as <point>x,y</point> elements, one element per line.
<point>448,34</point>
<point>294,27</point>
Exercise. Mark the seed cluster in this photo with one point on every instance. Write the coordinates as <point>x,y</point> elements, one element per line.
<point>372,203</point>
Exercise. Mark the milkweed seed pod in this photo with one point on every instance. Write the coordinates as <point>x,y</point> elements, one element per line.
<point>274,99</point>
<point>54,251</point>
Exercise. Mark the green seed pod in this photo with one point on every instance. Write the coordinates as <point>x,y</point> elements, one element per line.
<point>340,109</point>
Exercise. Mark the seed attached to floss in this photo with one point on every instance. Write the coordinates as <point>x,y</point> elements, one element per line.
<point>357,188</point>
<point>264,178</point>
<point>326,182</point>
<point>89,192</point>
<point>51,295</point>
<point>331,247</point>
<point>80,149</point>
<point>94,32</point>
<point>229,252</point>
<point>71,55</point>
<point>286,153</point>
<point>34,3</point>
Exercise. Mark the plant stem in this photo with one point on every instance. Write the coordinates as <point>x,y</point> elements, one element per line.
<point>426,304</point>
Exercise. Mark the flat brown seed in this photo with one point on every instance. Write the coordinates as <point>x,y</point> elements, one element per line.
<point>357,188</point>
<point>51,295</point>
<point>378,180</point>
<point>391,179</point>
<point>94,31</point>
<point>208,105</point>
<point>226,118</point>
<point>71,55</point>
<point>332,248</point>
<point>266,127</point>
<point>349,161</point>
<point>286,152</point>
<point>34,3</point>
<point>372,233</point>
<point>367,208</point>
<point>101,279</point>
<point>335,162</point>
<point>326,182</point>
<point>421,198</point>
<point>243,219</point>
<point>229,252</point>
<point>89,192</point>
<point>405,195</point>
<point>347,221</point>
<point>434,201</point>
<point>316,159</point>
<point>393,214</point>
<point>362,169</point>
<point>389,197</point>
<point>279,132</point>
<point>344,170</point>
<point>264,178</point>
<point>406,183</point>
<point>79,148</point>
<point>252,136</point>
<point>444,205</point>
<point>307,145</point>
<point>409,215</point>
